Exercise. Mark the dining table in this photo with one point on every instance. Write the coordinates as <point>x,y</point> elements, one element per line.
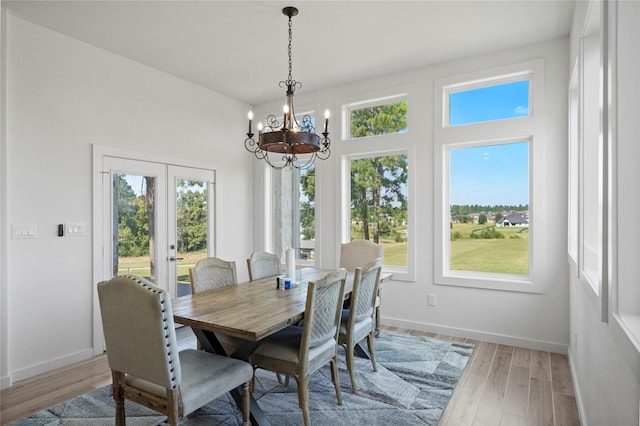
<point>246,313</point>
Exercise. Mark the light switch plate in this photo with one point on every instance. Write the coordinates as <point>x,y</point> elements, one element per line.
<point>75,229</point>
<point>24,231</point>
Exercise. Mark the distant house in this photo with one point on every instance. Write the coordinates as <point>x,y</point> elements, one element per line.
<point>514,219</point>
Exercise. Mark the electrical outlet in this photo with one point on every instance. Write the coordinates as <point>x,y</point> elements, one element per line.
<point>432,300</point>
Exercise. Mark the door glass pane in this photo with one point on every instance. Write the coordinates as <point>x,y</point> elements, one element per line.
<point>191,229</point>
<point>134,225</point>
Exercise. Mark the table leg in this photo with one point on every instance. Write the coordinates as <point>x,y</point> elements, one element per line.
<point>361,350</point>
<point>209,342</point>
<point>257,415</point>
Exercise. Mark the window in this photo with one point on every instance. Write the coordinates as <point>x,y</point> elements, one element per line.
<point>379,117</point>
<point>306,228</point>
<point>500,101</point>
<point>591,184</point>
<point>625,104</point>
<point>376,180</point>
<point>573,169</point>
<point>489,208</point>
<point>488,141</point>
<point>379,205</point>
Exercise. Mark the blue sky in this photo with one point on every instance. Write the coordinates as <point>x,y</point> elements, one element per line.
<point>490,175</point>
<point>494,174</point>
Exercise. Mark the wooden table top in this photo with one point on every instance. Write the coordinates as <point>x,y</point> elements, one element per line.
<point>251,310</point>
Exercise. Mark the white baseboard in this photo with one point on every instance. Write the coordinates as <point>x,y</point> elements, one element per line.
<point>477,335</point>
<point>5,382</point>
<point>34,370</point>
<point>576,390</point>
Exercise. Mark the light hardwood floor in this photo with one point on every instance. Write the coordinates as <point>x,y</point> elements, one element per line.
<point>502,386</point>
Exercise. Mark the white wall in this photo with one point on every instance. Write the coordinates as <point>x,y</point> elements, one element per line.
<point>63,96</point>
<point>3,205</point>
<point>532,320</point>
<point>605,361</point>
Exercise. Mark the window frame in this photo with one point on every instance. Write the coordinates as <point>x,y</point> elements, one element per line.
<point>518,129</point>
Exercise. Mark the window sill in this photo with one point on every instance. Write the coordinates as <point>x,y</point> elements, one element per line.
<point>500,282</point>
<point>399,273</point>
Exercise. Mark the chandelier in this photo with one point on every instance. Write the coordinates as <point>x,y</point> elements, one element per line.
<point>292,142</point>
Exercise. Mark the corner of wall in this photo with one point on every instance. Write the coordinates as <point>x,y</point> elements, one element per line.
<point>576,388</point>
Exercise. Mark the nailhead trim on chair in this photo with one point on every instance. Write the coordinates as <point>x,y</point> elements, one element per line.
<point>168,349</point>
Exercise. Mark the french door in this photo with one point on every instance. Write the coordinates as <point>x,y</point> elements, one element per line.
<point>152,219</point>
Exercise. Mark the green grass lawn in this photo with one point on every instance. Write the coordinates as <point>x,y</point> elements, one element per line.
<point>143,270</point>
<point>140,265</point>
<point>509,255</point>
<point>395,254</point>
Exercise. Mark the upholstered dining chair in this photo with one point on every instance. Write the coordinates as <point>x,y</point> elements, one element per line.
<point>358,253</point>
<point>262,264</point>
<point>300,351</point>
<point>211,273</point>
<point>146,366</point>
<point>358,321</point>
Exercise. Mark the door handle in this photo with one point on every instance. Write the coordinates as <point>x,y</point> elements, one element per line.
<point>173,258</point>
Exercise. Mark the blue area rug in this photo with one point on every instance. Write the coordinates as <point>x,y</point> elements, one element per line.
<point>415,380</point>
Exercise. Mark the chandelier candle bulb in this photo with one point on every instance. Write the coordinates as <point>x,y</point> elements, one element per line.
<point>250,118</point>
<point>326,121</point>
<point>285,109</point>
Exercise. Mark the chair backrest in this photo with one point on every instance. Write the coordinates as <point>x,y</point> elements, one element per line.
<point>138,330</point>
<point>323,310</point>
<point>211,273</point>
<point>262,264</point>
<point>358,253</point>
<point>365,290</point>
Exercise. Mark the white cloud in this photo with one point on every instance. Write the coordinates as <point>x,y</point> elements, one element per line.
<point>521,110</point>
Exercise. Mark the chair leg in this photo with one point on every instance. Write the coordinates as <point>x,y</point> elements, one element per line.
<point>252,385</point>
<point>118,397</point>
<point>303,398</point>
<point>246,421</point>
<point>372,353</point>
<point>351,367</point>
<point>174,407</point>
<point>286,379</point>
<point>377,331</point>
<point>335,378</point>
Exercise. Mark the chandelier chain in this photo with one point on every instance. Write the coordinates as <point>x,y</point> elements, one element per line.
<point>289,49</point>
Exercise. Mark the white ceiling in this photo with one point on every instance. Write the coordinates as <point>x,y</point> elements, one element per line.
<point>239,48</point>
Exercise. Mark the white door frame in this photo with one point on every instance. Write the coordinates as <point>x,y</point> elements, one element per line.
<point>102,225</point>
